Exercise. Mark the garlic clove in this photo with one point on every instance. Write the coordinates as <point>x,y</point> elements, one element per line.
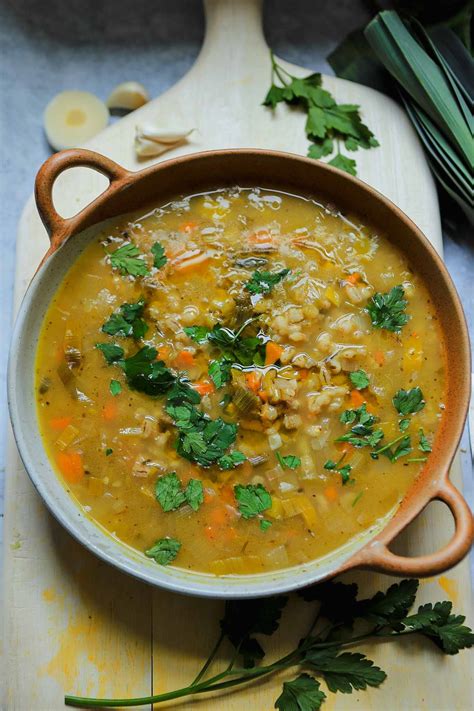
<point>73,117</point>
<point>153,141</point>
<point>129,95</point>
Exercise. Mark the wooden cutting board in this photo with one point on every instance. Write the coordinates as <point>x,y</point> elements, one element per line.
<point>74,624</point>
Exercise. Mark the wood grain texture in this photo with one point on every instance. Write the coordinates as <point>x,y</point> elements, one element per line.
<point>74,624</point>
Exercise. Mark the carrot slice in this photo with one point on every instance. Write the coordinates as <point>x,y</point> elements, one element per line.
<point>185,359</point>
<point>60,423</point>
<point>110,410</point>
<point>379,357</point>
<point>187,226</point>
<point>331,493</point>
<point>163,352</point>
<point>272,353</point>
<point>353,278</point>
<point>71,466</point>
<point>357,399</point>
<point>203,387</point>
<point>253,380</point>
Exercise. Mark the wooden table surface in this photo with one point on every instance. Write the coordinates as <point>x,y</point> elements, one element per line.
<point>74,624</point>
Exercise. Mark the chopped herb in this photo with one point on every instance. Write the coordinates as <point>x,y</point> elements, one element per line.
<point>358,498</point>
<point>252,499</point>
<point>108,452</point>
<point>291,461</point>
<point>388,310</point>
<point>159,257</point>
<point>200,439</point>
<point>362,433</point>
<point>182,391</point>
<point>384,616</point>
<point>168,492</point>
<point>111,352</point>
<point>115,387</point>
<point>127,322</point>
<point>194,493</point>
<point>263,282</point>
<point>404,424</point>
<point>407,402</point>
<point>219,371</point>
<point>424,444</point>
<point>348,165</point>
<point>146,374</point>
<point>359,379</point>
<point>127,259</point>
<point>164,551</point>
<point>265,524</point>
<point>344,471</point>
<point>416,459</point>
<point>198,334</point>
<point>231,460</point>
<point>233,346</point>
<point>403,448</point>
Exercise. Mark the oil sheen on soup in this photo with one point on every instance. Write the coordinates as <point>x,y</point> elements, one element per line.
<point>239,381</point>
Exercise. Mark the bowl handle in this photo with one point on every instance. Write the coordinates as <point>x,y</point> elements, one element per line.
<point>60,227</point>
<point>379,557</point>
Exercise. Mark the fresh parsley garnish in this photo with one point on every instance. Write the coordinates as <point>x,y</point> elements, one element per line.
<point>252,499</point>
<point>194,493</point>
<point>127,259</point>
<point>344,471</point>
<point>424,444</point>
<point>291,461</point>
<point>111,352</point>
<point>388,310</point>
<point>231,460</point>
<point>159,256</point>
<point>359,379</point>
<point>404,424</point>
<point>328,124</point>
<point>407,402</point>
<point>384,616</point>
<point>219,371</point>
<point>234,347</point>
<point>127,321</point>
<point>170,494</point>
<point>108,452</point>
<point>115,387</point>
<point>362,433</point>
<point>265,524</point>
<point>200,439</point>
<point>164,551</point>
<point>402,449</point>
<point>146,374</point>
<point>263,282</point>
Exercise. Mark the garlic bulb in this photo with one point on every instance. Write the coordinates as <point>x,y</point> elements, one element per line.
<point>153,141</point>
<point>73,117</point>
<point>129,95</point>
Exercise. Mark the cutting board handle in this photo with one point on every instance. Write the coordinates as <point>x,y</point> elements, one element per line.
<point>58,227</point>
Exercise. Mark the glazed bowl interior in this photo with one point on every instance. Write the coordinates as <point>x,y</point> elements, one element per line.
<point>196,174</point>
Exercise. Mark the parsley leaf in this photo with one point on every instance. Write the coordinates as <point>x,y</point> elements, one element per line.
<point>233,346</point>
<point>291,461</point>
<point>344,672</point>
<point>348,165</point>
<point>424,444</point>
<point>388,310</point>
<point>198,334</point>
<point>111,352</point>
<point>344,471</point>
<point>404,424</point>
<point>265,524</point>
<point>168,492</point>
<point>359,379</point>
<point>407,402</point>
<point>300,694</point>
<point>252,499</point>
<point>127,321</point>
<point>164,551</point>
<point>447,631</point>
<point>127,259</point>
<point>194,493</point>
<point>146,374</point>
<point>263,282</point>
<point>181,391</point>
<point>219,371</point>
<point>243,618</point>
<point>159,257</point>
<point>391,607</point>
<point>362,433</point>
<point>338,600</point>
<point>115,387</point>
<point>231,460</point>
<point>108,452</point>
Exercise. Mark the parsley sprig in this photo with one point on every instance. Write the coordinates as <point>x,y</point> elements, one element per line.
<point>321,653</point>
<point>263,282</point>
<point>387,311</point>
<point>127,321</point>
<point>328,124</point>
<point>127,259</point>
<point>362,432</point>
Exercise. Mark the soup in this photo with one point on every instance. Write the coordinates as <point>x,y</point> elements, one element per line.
<point>239,381</point>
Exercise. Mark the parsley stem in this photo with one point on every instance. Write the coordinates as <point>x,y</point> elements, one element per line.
<point>387,446</point>
<point>416,459</point>
<point>209,661</point>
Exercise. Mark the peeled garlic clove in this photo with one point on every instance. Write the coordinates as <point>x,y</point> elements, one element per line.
<point>129,95</point>
<point>152,141</point>
<point>73,117</point>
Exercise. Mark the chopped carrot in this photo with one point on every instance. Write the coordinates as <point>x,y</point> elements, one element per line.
<point>218,515</point>
<point>379,357</point>
<point>304,372</point>
<point>60,423</point>
<point>331,493</point>
<point>227,494</point>
<point>163,352</point>
<point>185,359</point>
<point>261,237</point>
<point>203,387</point>
<point>110,410</point>
<point>187,226</point>
<point>353,278</point>
<point>71,466</point>
<point>263,395</point>
<point>414,334</point>
<point>253,380</point>
<point>272,353</point>
<point>209,495</point>
<point>357,399</point>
